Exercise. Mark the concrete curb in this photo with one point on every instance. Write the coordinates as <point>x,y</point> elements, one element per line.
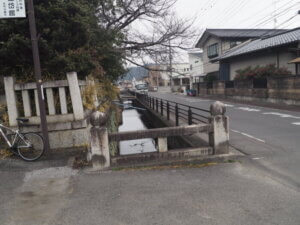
<point>233,156</point>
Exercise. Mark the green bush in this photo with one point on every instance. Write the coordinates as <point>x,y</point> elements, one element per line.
<point>71,38</point>
<point>211,77</point>
<point>257,72</point>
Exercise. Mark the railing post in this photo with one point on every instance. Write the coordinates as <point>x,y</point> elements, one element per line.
<point>11,100</point>
<point>63,100</point>
<point>162,144</point>
<point>157,105</point>
<point>168,111</point>
<point>161,107</point>
<point>190,115</point>
<point>153,106</point>
<point>50,101</point>
<point>219,136</point>
<point>99,153</point>
<point>26,103</point>
<point>75,96</point>
<point>177,115</point>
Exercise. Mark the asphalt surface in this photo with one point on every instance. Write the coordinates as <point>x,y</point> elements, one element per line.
<point>224,194</point>
<point>262,188</point>
<point>268,135</point>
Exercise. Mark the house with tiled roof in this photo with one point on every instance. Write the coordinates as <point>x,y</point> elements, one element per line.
<point>215,42</point>
<point>281,49</point>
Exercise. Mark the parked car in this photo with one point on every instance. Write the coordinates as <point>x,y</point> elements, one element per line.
<point>141,88</point>
<point>191,92</point>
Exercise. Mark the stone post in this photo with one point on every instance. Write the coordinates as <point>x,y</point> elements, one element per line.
<point>11,100</point>
<point>219,137</point>
<point>162,144</point>
<point>75,96</point>
<point>99,153</point>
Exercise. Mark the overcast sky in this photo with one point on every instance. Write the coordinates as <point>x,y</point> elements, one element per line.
<point>241,13</point>
<point>280,14</point>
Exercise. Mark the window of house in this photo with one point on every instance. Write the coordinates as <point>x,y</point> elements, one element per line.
<point>213,50</point>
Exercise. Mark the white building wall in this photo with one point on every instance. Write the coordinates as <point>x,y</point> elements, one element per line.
<point>196,64</point>
<point>180,69</point>
<point>209,67</point>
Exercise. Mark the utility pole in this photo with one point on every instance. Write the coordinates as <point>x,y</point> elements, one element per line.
<point>171,65</point>
<point>156,72</point>
<point>37,72</point>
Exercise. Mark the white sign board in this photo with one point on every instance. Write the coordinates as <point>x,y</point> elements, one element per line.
<point>12,9</point>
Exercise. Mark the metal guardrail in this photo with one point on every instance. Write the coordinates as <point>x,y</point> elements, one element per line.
<point>190,114</point>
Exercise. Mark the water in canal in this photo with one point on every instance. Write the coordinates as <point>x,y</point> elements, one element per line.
<point>132,120</point>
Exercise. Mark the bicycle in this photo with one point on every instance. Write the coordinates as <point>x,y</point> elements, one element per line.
<point>28,146</point>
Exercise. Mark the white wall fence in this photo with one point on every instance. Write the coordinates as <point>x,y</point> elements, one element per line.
<point>64,107</point>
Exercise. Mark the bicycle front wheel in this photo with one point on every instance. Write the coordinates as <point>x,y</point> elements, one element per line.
<point>30,146</point>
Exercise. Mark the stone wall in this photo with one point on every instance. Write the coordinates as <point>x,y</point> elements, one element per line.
<point>281,90</point>
<point>203,88</point>
<point>219,88</point>
<point>286,89</point>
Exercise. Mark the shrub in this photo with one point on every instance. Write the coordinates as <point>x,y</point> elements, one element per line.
<point>211,77</point>
<point>261,72</point>
<point>105,91</point>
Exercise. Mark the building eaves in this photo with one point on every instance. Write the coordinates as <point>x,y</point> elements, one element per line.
<point>236,33</point>
<point>263,43</point>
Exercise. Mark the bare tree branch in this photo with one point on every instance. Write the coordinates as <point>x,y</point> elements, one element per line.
<point>150,27</point>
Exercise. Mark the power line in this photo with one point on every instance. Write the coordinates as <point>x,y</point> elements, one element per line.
<point>232,11</point>
<point>288,20</point>
<point>278,15</point>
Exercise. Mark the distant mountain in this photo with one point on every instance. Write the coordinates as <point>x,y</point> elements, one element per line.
<point>135,72</point>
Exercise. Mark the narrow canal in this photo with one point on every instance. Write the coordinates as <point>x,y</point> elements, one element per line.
<point>132,120</point>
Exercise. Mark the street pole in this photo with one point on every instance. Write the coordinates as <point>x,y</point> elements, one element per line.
<point>171,70</point>
<point>37,73</point>
<point>156,72</point>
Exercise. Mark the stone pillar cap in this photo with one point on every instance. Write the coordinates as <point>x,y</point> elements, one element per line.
<point>98,118</point>
<point>218,109</point>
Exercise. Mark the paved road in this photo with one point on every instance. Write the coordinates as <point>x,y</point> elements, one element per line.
<point>224,194</point>
<point>268,135</point>
<point>262,189</point>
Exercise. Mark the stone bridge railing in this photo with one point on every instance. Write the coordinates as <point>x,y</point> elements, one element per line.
<point>29,100</point>
<point>217,130</point>
<point>64,108</point>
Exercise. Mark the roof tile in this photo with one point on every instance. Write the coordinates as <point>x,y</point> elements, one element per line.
<point>263,43</point>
